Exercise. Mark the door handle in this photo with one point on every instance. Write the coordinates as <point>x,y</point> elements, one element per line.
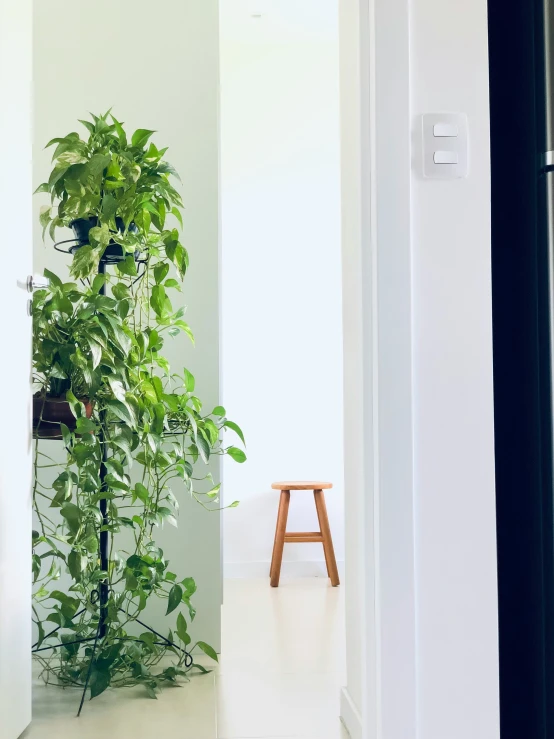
<point>37,282</point>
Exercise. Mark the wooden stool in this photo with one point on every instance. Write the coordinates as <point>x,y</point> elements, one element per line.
<point>323,535</point>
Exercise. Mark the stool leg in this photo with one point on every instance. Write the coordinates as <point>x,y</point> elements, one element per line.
<point>279,543</point>
<point>325,529</point>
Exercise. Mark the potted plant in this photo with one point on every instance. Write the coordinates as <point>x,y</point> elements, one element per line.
<point>63,337</point>
<point>135,423</point>
<point>110,191</point>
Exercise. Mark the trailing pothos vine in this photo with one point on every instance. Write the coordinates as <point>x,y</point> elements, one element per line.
<point>98,346</point>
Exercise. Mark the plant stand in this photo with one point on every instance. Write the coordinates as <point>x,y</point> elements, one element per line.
<point>101,594</point>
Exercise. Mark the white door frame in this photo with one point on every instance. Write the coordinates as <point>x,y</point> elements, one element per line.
<point>375,105</point>
<point>15,369</point>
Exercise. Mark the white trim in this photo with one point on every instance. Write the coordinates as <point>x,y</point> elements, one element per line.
<point>350,716</point>
<point>381,248</point>
<point>297,568</point>
<point>390,276</point>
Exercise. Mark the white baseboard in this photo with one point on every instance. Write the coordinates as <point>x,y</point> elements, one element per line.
<point>306,568</point>
<point>349,715</point>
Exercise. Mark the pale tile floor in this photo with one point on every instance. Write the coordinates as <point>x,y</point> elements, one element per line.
<point>280,674</point>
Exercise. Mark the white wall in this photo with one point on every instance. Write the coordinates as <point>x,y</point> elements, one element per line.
<point>423,656</point>
<point>89,61</point>
<point>453,410</point>
<point>281,273</point>
<point>15,435</point>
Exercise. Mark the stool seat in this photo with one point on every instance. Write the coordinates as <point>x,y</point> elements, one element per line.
<point>282,536</point>
<point>301,485</point>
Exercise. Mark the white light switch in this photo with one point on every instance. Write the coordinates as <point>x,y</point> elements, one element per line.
<point>444,140</point>
<point>446,130</point>
<point>445,157</point>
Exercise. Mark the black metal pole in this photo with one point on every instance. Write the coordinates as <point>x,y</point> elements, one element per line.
<point>89,671</point>
<point>104,587</point>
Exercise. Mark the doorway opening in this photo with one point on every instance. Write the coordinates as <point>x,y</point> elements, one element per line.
<point>282,361</point>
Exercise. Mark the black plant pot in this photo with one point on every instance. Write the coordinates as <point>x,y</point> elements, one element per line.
<point>81,228</point>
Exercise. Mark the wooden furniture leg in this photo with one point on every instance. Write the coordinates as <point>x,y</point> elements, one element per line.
<point>325,529</point>
<point>279,543</point>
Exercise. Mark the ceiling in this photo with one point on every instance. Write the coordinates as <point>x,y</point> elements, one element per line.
<point>267,21</point>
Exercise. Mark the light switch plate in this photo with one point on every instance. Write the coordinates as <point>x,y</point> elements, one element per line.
<point>445,145</point>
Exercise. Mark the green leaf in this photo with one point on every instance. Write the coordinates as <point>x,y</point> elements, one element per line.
<point>142,492</point>
<point>210,651</point>
<point>63,487</point>
<point>182,632</point>
<point>175,595</point>
<point>56,141</point>
<point>158,387</point>
<point>150,689</point>
<point>109,206</point>
<point>219,410</point>
<point>149,391</point>
<point>97,164</point>
<point>100,236</point>
<point>76,563</point>
<point>166,514</point>
<point>69,606</point>
<point>158,410</point>
<point>192,610</point>
<point>88,125</point>
<point>98,282</point>
<point>117,388</point>
<point>53,278</point>
<point>56,174</point>
<point>99,681</point>
<point>120,410</point>
<point>66,434</point>
<point>160,271</point>
<point>41,633</point>
<point>180,259</point>
<point>140,137</point>
<point>214,492</point>
<point>71,157</point>
<point>120,291</point>
<point>91,544</point>
<point>122,338</point>
<point>72,515</point>
<point>189,381</point>
<point>190,586</point>
<point>85,425</point>
<point>85,262</point>
<point>236,428</point>
<point>237,454</point>
<point>146,220</point>
<point>177,213</point>
<point>120,131</point>
<point>203,448</point>
<point>44,217</point>
<point>96,351</point>
<point>162,363</point>
<point>168,168</point>
<point>157,299</point>
<point>200,668</point>
<point>128,266</point>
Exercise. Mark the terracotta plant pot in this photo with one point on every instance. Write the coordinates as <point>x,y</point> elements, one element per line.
<point>50,411</point>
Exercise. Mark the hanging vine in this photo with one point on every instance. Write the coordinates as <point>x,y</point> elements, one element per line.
<point>135,425</point>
